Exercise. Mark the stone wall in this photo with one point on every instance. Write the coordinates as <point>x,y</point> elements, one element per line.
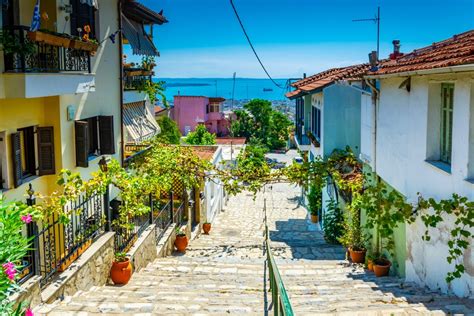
<point>165,246</point>
<point>144,250</point>
<point>30,292</point>
<point>91,269</point>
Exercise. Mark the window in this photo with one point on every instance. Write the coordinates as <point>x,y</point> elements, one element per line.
<point>94,136</point>
<point>82,14</point>
<point>32,153</point>
<point>316,122</point>
<point>447,93</point>
<point>470,167</point>
<point>27,147</point>
<point>3,162</point>
<point>214,108</point>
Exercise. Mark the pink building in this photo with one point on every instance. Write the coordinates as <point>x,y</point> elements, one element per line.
<point>189,111</point>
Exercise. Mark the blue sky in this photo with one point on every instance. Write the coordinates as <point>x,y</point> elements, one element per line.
<point>204,39</point>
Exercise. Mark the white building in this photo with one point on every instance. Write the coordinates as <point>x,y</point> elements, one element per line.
<point>419,137</point>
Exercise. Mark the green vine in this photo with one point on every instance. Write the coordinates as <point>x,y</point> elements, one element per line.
<point>461,235</point>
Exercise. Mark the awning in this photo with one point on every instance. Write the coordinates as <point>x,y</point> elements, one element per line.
<point>138,39</point>
<point>138,12</point>
<point>139,122</point>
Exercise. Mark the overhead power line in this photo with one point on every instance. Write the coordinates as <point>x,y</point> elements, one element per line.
<point>251,46</point>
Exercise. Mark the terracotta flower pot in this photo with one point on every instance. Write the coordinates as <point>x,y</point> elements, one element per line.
<point>181,243</point>
<point>357,256</point>
<point>121,272</point>
<point>207,228</point>
<point>370,265</point>
<point>314,218</point>
<point>381,267</point>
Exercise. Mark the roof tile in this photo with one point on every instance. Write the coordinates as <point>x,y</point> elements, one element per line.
<point>457,50</point>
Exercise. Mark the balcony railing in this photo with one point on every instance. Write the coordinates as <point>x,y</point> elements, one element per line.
<point>35,56</point>
<point>134,78</point>
<point>56,244</point>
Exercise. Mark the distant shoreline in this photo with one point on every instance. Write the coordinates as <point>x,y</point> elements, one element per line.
<point>177,84</point>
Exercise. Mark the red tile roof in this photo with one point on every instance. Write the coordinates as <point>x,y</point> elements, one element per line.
<point>228,140</point>
<point>457,50</point>
<point>325,78</point>
<point>204,152</point>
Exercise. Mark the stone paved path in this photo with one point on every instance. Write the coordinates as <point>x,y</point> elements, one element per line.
<point>223,273</point>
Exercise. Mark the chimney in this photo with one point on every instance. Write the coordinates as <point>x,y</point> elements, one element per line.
<point>304,75</point>
<point>396,50</point>
<point>373,61</point>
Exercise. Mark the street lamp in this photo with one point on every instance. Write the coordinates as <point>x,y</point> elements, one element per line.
<point>103,164</point>
<point>31,200</point>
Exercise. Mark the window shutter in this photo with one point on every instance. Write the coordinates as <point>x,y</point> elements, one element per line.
<point>16,152</point>
<point>106,135</point>
<point>46,150</point>
<point>82,143</point>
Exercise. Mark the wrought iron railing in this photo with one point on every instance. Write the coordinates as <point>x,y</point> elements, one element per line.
<point>34,56</point>
<point>178,213</point>
<point>57,243</point>
<point>126,237</point>
<point>280,301</point>
<point>162,219</point>
<point>136,78</point>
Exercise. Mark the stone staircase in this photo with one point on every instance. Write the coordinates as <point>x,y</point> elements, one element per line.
<point>174,285</point>
<point>224,273</point>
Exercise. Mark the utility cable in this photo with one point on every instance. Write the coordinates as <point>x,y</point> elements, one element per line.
<point>251,46</point>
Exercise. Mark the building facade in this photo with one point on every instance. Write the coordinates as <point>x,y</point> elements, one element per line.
<point>59,101</point>
<point>189,111</point>
<point>421,141</point>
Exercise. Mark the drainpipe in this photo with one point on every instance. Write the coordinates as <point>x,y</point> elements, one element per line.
<point>120,42</point>
<point>375,95</point>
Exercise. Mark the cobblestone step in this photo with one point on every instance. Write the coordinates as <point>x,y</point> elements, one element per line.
<point>224,273</point>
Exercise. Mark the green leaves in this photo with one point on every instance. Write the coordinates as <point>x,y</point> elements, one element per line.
<point>200,136</point>
<point>261,124</point>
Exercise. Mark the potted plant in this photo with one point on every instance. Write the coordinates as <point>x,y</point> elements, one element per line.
<point>181,241</point>
<point>206,227</point>
<point>314,201</point>
<point>352,238</point>
<point>121,270</point>
<point>370,262</point>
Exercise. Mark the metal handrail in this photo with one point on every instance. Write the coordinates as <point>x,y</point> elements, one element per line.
<point>281,301</point>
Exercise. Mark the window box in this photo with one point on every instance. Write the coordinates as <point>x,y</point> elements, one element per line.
<point>84,46</point>
<point>48,38</point>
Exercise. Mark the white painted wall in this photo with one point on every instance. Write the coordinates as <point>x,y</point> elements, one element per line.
<point>402,136</point>
<point>106,98</point>
<point>214,191</point>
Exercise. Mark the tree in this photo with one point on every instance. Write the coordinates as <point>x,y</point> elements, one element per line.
<point>261,124</point>
<point>170,133</point>
<point>201,136</point>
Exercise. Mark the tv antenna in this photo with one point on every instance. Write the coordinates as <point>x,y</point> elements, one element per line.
<point>376,19</point>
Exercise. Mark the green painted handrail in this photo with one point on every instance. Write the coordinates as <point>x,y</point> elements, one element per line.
<point>281,301</point>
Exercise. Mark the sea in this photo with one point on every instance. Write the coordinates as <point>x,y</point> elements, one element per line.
<point>245,88</point>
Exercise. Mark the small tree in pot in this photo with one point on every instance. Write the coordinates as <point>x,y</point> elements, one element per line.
<point>352,237</point>
<point>314,202</point>
<point>385,209</point>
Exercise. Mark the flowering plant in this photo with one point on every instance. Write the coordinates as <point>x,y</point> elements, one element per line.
<point>13,217</point>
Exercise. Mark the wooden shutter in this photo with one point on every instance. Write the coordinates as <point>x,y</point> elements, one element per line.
<point>82,143</point>
<point>16,155</point>
<point>106,135</point>
<point>46,150</point>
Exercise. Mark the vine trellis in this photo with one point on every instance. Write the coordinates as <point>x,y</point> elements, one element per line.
<point>156,170</point>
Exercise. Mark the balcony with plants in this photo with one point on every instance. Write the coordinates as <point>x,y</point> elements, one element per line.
<point>37,59</point>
